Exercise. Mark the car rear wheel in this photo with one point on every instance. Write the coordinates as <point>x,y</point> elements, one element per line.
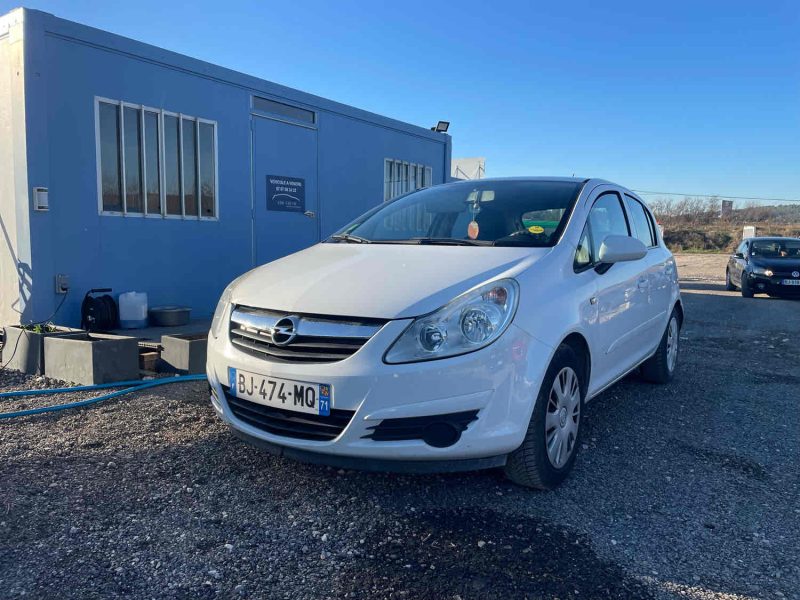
<point>660,368</point>
<point>747,291</point>
<point>548,451</point>
<point>728,283</point>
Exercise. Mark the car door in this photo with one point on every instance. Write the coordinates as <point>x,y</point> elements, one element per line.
<point>617,335</point>
<point>658,269</point>
<point>738,263</point>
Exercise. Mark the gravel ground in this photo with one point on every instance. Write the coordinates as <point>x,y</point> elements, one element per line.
<point>702,267</point>
<point>684,491</point>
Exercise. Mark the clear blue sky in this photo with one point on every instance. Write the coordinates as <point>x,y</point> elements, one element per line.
<point>700,97</point>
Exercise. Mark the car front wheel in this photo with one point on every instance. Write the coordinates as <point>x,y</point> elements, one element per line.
<point>547,453</point>
<point>747,291</point>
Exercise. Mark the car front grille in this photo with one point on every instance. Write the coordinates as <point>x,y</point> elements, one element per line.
<point>314,339</point>
<point>288,423</point>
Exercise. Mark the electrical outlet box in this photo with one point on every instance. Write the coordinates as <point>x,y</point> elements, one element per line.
<point>41,199</point>
<point>62,283</point>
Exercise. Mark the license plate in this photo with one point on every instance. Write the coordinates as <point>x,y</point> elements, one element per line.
<point>300,396</point>
<point>791,282</point>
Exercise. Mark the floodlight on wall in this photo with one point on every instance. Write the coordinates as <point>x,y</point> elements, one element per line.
<point>441,126</point>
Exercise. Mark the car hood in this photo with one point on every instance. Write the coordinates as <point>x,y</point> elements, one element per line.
<point>779,265</point>
<point>384,281</point>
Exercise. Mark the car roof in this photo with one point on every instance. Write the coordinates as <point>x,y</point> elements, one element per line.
<point>588,183</point>
<point>537,178</point>
<point>772,238</point>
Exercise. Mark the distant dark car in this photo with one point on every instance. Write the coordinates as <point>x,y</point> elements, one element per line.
<point>765,265</point>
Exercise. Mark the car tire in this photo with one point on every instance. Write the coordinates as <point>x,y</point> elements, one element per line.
<point>660,368</point>
<point>747,291</point>
<point>531,464</point>
<point>728,283</point>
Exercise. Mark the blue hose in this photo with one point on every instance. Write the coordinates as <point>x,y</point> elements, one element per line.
<point>137,386</point>
<point>79,388</point>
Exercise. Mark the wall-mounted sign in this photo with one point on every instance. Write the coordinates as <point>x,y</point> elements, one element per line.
<point>286,193</point>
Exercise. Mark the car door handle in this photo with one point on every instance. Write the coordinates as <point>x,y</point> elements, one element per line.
<point>643,284</point>
<point>310,214</point>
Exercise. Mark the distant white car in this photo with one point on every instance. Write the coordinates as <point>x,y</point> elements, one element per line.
<point>457,327</point>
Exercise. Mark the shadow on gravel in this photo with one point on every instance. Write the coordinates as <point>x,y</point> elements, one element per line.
<point>701,286</point>
<point>481,554</point>
<point>174,509</point>
<point>708,286</point>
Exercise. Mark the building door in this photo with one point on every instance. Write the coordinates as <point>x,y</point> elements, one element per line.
<point>285,185</point>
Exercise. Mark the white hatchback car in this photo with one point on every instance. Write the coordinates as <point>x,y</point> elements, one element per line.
<point>457,327</point>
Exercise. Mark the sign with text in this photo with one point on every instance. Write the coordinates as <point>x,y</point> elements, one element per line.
<point>286,193</point>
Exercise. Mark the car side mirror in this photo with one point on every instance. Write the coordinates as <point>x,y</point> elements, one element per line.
<point>621,248</point>
<point>738,255</point>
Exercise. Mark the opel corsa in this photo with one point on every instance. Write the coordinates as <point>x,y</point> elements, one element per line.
<point>457,327</point>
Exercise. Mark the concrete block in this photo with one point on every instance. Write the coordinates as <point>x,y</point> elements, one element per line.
<point>185,353</point>
<point>24,349</point>
<point>89,358</point>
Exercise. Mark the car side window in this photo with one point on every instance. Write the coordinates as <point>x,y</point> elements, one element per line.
<point>607,217</point>
<point>641,222</point>
<point>583,254</point>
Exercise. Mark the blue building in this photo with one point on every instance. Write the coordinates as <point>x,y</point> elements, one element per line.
<point>123,165</point>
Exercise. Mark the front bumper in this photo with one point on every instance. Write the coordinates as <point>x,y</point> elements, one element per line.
<point>761,284</point>
<point>500,381</point>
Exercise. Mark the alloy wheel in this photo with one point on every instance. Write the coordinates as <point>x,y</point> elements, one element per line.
<point>563,417</point>
<point>672,344</point>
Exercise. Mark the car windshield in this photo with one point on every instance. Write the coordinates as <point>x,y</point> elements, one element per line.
<point>775,248</point>
<point>479,213</point>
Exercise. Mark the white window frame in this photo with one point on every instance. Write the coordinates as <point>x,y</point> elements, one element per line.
<point>179,116</point>
<point>116,103</point>
<point>160,146</point>
<point>161,113</point>
<point>398,169</point>
<point>216,172</point>
<point>387,183</point>
<point>122,107</point>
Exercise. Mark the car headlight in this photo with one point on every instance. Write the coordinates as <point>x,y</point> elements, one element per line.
<point>469,322</point>
<point>762,271</point>
<point>221,311</point>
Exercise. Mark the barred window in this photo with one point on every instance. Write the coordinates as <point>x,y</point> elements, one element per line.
<point>155,163</point>
<point>401,177</point>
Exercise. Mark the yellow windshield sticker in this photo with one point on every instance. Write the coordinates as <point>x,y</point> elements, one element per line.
<point>536,229</point>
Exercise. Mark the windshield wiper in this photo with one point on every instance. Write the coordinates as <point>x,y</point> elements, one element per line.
<point>355,239</point>
<point>350,238</point>
<point>448,242</point>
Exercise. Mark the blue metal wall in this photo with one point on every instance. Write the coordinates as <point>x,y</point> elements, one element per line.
<point>174,261</point>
